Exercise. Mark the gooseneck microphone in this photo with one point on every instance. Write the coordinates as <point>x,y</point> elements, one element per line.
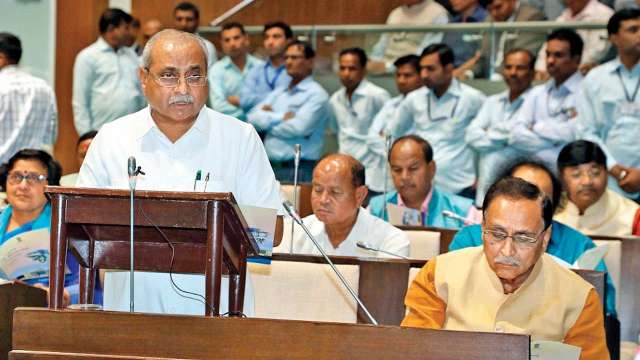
<point>455,216</point>
<point>296,218</point>
<point>296,165</point>
<point>367,246</point>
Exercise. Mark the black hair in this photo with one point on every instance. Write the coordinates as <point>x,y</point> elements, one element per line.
<point>427,151</point>
<point>445,54</point>
<point>187,6</point>
<point>309,53</point>
<point>516,189</point>
<point>11,47</point>
<point>613,26</point>
<point>412,59</point>
<point>288,34</point>
<point>511,167</point>
<point>113,17</point>
<point>233,25</point>
<point>580,152</point>
<point>532,57</point>
<point>357,174</point>
<point>54,170</point>
<point>571,36</point>
<point>362,56</point>
<point>86,136</point>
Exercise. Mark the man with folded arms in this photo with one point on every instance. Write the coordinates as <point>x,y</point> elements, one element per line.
<point>339,222</point>
<point>509,284</point>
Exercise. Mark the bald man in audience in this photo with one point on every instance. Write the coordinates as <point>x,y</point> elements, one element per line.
<point>424,204</point>
<point>150,28</point>
<point>591,207</point>
<point>339,222</point>
<point>509,284</point>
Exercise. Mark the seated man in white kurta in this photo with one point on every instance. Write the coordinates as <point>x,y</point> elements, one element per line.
<point>339,222</point>
<point>173,139</point>
<point>509,284</point>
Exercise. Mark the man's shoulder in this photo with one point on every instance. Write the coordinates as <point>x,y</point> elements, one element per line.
<point>228,123</point>
<point>375,225</point>
<point>566,233</point>
<point>460,258</point>
<point>453,200</point>
<point>529,13</point>
<point>416,95</point>
<point>375,90</point>
<point>89,51</point>
<point>317,89</point>
<point>471,92</point>
<point>378,201</point>
<point>564,275</point>
<point>601,71</point>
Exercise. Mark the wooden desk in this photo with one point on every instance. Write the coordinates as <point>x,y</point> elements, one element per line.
<point>64,334</point>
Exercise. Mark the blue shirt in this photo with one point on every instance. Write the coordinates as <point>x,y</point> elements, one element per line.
<point>565,243</point>
<point>352,120</point>
<point>260,81</point>
<point>309,103</point>
<point>440,201</point>
<point>43,221</point>
<point>546,120</point>
<point>465,44</point>
<point>606,117</point>
<point>489,133</point>
<point>105,86</point>
<point>442,122</point>
<point>226,79</point>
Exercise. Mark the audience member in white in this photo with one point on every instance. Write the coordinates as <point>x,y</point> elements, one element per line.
<point>186,17</point>
<point>353,108</point>
<point>150,28</point>
<point>339,222</point>
<point>82,146</point>
<point>172,139</point>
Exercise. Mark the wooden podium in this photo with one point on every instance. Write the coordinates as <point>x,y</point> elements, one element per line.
<point>206,230</point>
<point>12,295</point>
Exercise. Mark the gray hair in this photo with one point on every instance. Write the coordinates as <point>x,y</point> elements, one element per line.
<point>175,34</point>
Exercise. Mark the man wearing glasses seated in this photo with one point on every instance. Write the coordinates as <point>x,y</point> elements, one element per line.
<point>510,284</point>
<point>28,172</point>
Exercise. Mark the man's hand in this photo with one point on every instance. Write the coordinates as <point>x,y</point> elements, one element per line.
<point>628,178</point>
<point>234,100</point>
<point>289,115</point>
<point>267,108</point>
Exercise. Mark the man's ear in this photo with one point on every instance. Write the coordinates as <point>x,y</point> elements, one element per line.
<point>361,194</point>
<point>546,237</point>
<point>142,76</point>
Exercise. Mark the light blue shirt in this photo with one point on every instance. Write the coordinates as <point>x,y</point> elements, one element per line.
<point>309,103</point>
<point>260,81</point>
<point>226,79</point>
<point>352,120</point>
<point>489,133</point>
<point>607,118</point>
<point>442,122</point>
<point>546,121</point>
<point>105,85</point>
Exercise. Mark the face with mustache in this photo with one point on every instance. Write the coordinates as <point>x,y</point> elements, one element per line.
<point>174,56</point>
<point>517,71</point>
<point>584,183</point>
<point>411,173</point>
<point>512,261</point>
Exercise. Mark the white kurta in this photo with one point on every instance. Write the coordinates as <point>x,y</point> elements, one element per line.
<point>376,232</point>
<point>228,150</point>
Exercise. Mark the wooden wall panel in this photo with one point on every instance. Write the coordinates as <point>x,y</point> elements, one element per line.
<point>76,28</point>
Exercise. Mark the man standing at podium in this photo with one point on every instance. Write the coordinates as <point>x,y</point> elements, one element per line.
<point>173,139</point>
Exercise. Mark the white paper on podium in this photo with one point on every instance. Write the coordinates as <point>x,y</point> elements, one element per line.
<point>262,225</point>
<point>554,350</point>
<point>25,256</point>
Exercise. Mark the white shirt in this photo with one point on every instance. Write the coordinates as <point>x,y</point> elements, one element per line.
<point>595,41</point>
<point>354,117</point>
<point>376,232</point>
<point>547,119</point>
<point>219,145</point>
<point>28,113</point>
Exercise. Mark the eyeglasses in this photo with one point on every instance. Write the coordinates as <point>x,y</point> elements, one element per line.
<point>519,239</point>
<point>32,178</point>
<point>173,81</point>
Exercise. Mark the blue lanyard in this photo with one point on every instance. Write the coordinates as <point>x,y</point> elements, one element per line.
<point>272,83</point>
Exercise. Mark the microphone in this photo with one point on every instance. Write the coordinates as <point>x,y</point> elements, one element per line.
<point>367,246</point>
<point>387,146</point>
<point>131,170</point>
<point>294,215</point>
<point>453,216</point>
<point>296,165</point>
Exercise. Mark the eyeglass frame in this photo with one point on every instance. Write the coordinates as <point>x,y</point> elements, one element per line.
<point>32,178</point>
<point>530,241</point>
<point>157,80</point>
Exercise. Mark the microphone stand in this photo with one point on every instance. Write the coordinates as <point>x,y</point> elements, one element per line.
<point>296,165</point>
<point>387,145</point>
<point>132,187</point>
<point>366,246</point>
<point>344,282</point>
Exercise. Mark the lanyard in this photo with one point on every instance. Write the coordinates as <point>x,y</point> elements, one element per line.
<point>626,93</point>
<point>272,83</point>
<point>558,110</point>
<point>455,105</point>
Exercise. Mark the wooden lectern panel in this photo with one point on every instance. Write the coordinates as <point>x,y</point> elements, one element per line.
<point>14,294</point>
<point>54,334</point>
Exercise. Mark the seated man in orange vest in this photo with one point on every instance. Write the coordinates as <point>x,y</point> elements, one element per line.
<point>509,284</point>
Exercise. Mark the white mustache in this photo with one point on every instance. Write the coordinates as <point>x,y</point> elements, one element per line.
<point>507,260</point>
<point>185,99</point>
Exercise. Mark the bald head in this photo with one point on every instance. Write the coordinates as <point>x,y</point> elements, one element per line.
<point>344,163</point>
<point>169,40</point>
